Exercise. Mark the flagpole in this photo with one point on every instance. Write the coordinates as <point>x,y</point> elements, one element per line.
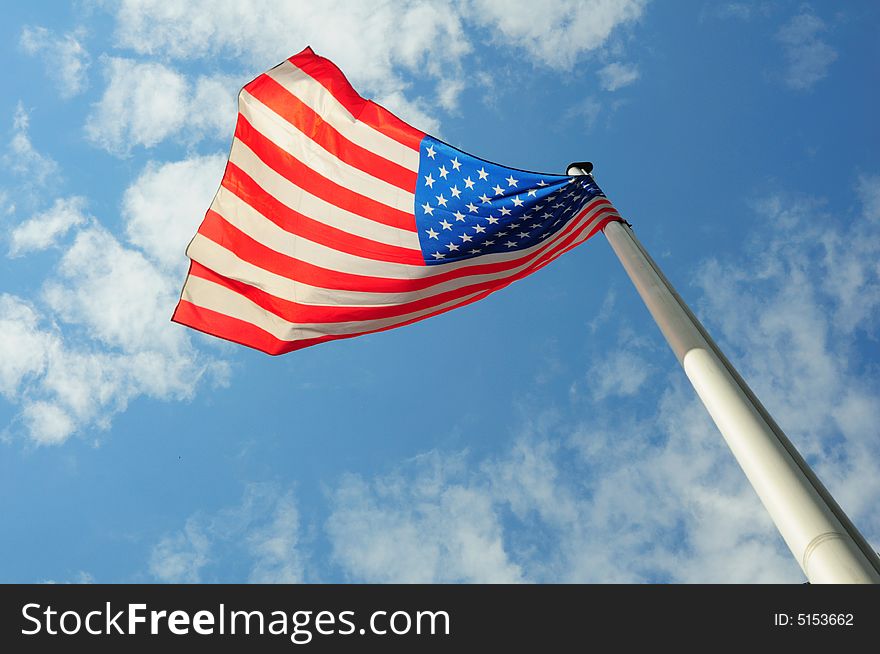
<point>821,537</point>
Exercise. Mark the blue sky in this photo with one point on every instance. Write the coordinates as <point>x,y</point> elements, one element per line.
<point>544,434</point>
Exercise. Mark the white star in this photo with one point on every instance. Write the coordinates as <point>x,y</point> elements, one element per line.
<point>430,151</point>
<point>428,209</point>
<point>486,199</point>
<point>475,251</point>
<point>546,215</point>
<point>498,190</point>
<point>452,246</point>
<point>479,229</point>
<point>492,220</point>
<point>465,238</point>
<point>517,202</point>
<point>455,164</point>
<point>441,201</point>
<point>510,244</point>
<point>431,233</point>
<point>482,173</point>
<point>459,215</point>
<point>523,234</point>
<point>542,183</point>
<point>471,207</point>
<point>438,255</point>
<point>443,172</point>
<point>455,192</point>
<point>545,235</point>
<point>511,181</point>
<point>490,242</point>
<point>429,181</point>
<point>514,225</point>
<point>468,183</point>
<point>504,211</point>
<point>445,225</point>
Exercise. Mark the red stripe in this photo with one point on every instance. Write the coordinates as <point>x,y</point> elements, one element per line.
<point>307,179</point>
<point>220,231</point>
<point>232,329</point>
<point>241,184</point>
<point>331,78</point>
<point>303,118</point>
<point>245,333</point>
<point>307,313</point>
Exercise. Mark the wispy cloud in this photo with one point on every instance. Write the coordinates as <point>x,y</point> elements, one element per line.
<point>426,523</point>
<point>65,57</point>
<point>98,335</point>
<point>808,57</point>
<point>263,529</point>
<point>22,158</point>
<point>44,229</point>
<point>555,32</point>
<point>616,75</point>
<point>146,103</point>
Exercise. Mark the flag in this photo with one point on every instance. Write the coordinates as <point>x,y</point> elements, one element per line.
<point>335,218</point>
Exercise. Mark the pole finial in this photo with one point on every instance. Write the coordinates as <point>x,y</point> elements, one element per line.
<point>579,168</point>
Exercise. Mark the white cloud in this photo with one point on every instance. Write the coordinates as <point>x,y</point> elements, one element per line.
<point>65,57</point>
<point>555,32</point>
<point>433,528</point>
<point>369,41</point>
<point>81,577</point>
<point>586,112</point>
<point>616,75</point>
<point>378,45</point>
<point>868,189</point>
<point>179,558</point>
<point>798,310</point>
<point>24,347</point>
<point>44,229</point>
<point>743,11</point>
<point>165,204</point>
<point>263,530</point>
<point>656,500</point>
<point>274,546</point>
<point>104,338</point>
<point>22,158</point>
<point>807,56</point>
<point>619,374</point>
<point>146,103</point>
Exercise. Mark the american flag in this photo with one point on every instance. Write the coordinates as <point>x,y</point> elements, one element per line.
<point>335,218</point>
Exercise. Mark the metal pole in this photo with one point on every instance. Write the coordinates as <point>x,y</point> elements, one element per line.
<point>825,543</point>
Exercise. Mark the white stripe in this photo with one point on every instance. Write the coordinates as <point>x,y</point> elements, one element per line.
<point>248,220</point>
<point>322,102</point>
<point>226,263</point>
<point>214,297</point>
<point>311,154</point>
<point>300,200</point>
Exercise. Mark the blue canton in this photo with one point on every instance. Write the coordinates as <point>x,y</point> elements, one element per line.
<point>466,207</point>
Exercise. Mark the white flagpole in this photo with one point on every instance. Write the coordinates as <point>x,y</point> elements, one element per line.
<point>821,537</point>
